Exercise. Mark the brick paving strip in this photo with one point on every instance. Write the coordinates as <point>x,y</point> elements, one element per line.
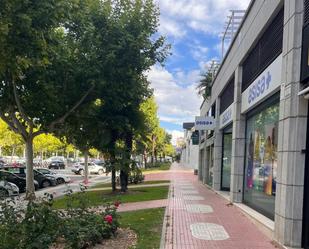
<point>142,205</point>
<point>210,223</point>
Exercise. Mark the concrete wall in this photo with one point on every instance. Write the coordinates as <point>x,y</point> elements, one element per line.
<point>190,153</point>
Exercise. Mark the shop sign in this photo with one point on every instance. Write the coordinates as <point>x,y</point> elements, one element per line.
<point>204,123</point>
<point>195,138</point>
<point>227,116</point>
<point>265,85</point>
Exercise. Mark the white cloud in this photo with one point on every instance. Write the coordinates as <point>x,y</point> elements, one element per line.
<point>207,16</point>
<point>170,27</point>
<point>187,78</point>
<point>177,104</point>
<point>175,135</point>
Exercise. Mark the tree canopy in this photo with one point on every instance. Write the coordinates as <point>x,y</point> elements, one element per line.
<point>76,67</point>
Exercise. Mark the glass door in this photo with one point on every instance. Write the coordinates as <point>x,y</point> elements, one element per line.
<point>226,161</point>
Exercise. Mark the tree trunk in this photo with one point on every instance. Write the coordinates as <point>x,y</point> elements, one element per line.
<point>125,171</point>
<point>123,181</point>
<point>13,153</point>
<point>30,195</point>
<point>145,158</point>
<point>86,173</point>
<point>113,171</point>
<point>153,150</point>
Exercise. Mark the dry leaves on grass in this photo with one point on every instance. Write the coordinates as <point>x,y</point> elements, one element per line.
<point>124,239</point>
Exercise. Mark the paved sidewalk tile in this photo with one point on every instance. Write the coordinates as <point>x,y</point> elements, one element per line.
<point>142,205</point>
<point>219,226</point>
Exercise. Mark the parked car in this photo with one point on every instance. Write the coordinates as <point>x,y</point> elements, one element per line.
<point>43,180</point>
<point>99,162</point>
<point>93,168</point>
<point>55,159</point>
<point>8,189</point>
<point>19,181</point>
<point>56,165</point>
<point>59,177</point>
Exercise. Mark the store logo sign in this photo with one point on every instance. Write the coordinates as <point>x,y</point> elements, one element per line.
<point>267,83</point>
<point>204,123</point>
<point>259,88</point>
<point>227,116</point>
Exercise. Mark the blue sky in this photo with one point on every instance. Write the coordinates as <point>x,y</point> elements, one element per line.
<point>192,27</point>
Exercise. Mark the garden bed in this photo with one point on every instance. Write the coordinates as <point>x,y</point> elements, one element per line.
<point>97,198</point>
<point>109,185</point>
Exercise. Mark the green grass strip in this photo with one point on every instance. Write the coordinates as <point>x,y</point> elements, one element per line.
<point>147,224</point>
<point>109,185</point>
<point>97,198</point>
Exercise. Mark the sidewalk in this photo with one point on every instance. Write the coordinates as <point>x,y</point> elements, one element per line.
<point>142,205</point>
<point>197,217</point>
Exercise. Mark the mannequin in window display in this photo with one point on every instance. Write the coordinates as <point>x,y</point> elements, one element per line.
<point>268,167</point>
<point>257,163</point>
<point>250,163</point>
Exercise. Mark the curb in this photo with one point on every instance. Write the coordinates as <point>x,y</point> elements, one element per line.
<point>164,226</point>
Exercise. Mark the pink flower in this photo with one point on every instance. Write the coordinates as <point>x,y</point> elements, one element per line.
<point>116,204</point>
<point>108,218</point>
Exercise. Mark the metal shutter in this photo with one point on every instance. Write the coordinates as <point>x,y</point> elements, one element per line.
<point>306,12</point>
<point>265,51</point>
<point>227,96</point>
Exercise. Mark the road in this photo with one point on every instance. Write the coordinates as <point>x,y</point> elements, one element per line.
<point>76,181</point>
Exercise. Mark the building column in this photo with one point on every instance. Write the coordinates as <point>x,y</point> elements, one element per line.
<point>205,164</point>
<point>217,150</point>
<point>238,143</point>
<point>200,164</point>
<point>292,133</point>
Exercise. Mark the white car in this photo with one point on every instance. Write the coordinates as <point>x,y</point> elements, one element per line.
<point>93,168</point>
<point>60,178</point>
<point>8,189</point>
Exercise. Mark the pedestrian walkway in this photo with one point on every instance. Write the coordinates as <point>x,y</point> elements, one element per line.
<point>142,205</point>
<point>197,217</point>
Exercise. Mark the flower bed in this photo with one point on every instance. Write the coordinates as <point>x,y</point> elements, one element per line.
<point>40,226</point>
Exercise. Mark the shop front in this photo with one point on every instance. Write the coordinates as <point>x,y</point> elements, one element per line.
<point>226,127</point>
<point>305,81</point>
<point>305,232</point>
<point>260,105</point>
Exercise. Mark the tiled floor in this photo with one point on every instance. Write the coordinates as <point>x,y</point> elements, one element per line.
<point>225,227</point>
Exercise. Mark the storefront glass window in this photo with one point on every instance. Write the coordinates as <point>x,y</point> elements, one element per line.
<point>261,160</point>
<point>210,151</point>
<point>226,161</point>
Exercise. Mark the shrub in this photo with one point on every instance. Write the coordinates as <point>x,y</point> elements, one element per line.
<point>38,226</point>
<point>136,176</point>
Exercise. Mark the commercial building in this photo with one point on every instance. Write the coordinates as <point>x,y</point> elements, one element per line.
<point>190,147</point>
<point>258,153</point>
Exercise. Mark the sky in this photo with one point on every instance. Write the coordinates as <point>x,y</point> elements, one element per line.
<point>192,27</point>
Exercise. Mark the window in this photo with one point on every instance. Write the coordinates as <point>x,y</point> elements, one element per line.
<point>261,160</point>
<point>227,96</point>
<point>264,52</point>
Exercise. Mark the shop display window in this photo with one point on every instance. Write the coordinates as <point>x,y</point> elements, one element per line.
<point>261,160</point>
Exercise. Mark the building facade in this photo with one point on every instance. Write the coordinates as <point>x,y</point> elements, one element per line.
<point>190,148</point>
<point>258,152</point>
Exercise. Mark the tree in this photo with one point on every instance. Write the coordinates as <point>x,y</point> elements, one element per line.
<point>43,67</point>
<point>47,143</point>
<point>205,84</point>
<point>131,36</point>
<point>9,140</point>
<point>145,137</point>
